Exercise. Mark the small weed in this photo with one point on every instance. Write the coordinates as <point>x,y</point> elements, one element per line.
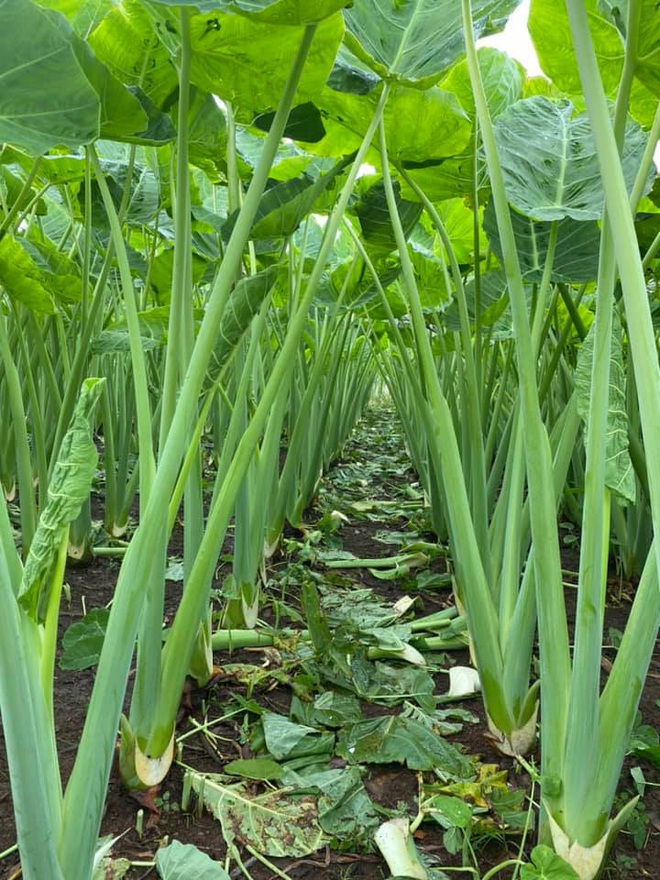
<point>638,822</point>
<point>166,804</point>
<point>621,866</point>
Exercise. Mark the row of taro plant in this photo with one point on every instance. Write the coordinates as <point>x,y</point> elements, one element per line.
<point>172,387</point>
<point>561,194</point>
<point>168,244</point>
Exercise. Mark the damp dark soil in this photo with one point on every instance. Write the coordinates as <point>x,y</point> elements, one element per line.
<point>636,854</point>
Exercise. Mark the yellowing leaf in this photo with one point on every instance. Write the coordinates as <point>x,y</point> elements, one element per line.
<point>274,823</point>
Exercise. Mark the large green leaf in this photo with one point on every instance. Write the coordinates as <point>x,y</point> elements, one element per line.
<point>83,15</point>
<point>647,62</point>
<point>349,74</point>
<point>45,96</point>
<point>619,473</point>
<point>247,62</point>
<point>450,179</point>
<point>247,298</point>
<point>417,40</point>
<point>429,256</point>
<point>283,207</point>
<point>56,167</point>
<point>396,738</point>
<point>493,304</point>
<point>144,196</point>
<point>60,273</point>
<point>160,276</point>
<point>183,861</point>
<point>56,91</point>
<point>290,161</point>
<point>159,128</point>
<point>287,12</point>
<point>551,34</point>
<point>374,217</point>
<point>549,160</point>
<point>128,41</point>
<point>22,279</point>
<point>502,78</point>
<point>576,249</point>
<point>67,491</point>
<point>457,216</point>
<point>122,114</point>
<point>419,125</point>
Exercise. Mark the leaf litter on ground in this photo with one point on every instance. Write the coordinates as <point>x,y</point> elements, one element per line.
<point>316,757</point>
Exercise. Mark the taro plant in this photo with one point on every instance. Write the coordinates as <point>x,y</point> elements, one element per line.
<point>65,846</point>
<point>500,604</point>
<point>584,731</point>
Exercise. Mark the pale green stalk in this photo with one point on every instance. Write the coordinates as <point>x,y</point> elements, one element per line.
<point>251,506</point>
<point>29,738</point>
<point>23,458</point>
<point>583,722</point>
<point>472,396</point>
<point>37,421</point>
<point>143,405</point>
<point>441,438</point>
<point>84,797</point>
<point>617,709</point>
<point>638,315</point>
<point>177,650</point>
<point>181,302</point>
<point>183,336</point>
<point>301,468</point>
<point>29,635</point>
<point>81,356</point>
<point>28,751</point>
<point>582,730</point>
<point>555,658</point>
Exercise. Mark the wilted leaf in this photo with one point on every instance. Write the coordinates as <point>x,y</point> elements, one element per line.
<point>619,472</point>
<point>345,808</point>
<point>68,489</point>
<point>183,861</point>
<point>285,739</point>
<point>401,740</point>
<point>254,768</point>
<point>83,640</point>
<point>277,823</point>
